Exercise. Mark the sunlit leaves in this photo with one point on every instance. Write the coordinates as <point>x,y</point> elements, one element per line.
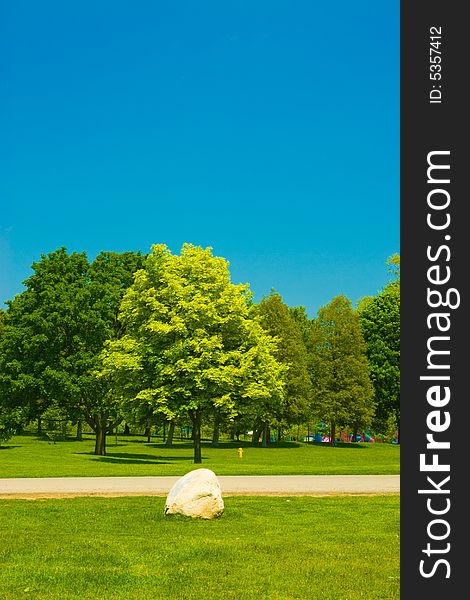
<point>191,341</point>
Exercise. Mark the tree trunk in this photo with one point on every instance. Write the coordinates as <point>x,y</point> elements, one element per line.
<point>79,431</point>
<point>100,425</point>
<point>216,431</point>
<point>196,418</point>
<point>100,440</point>
<point>279,435</point>
<point>126,429</point>
<point>257,430</point>
<point>39,426</point>
<point>171,431</point>
<point>354,435</point>
<point>266,434</point>
<point>332,432</point>
<point>148,433</point>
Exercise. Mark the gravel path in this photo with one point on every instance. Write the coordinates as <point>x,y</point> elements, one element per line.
<point>265,485</point>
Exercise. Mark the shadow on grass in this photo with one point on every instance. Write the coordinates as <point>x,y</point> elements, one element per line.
<point>275,445</point>
<point>348,445</point>
<point>135,459</point>
<point>8,447</point>
<point>207,443</point>
<point>224,445</point>
<point>144,456</point>
<point>154,442</point>
<point>122,461</point>
<point>248,444</point>
<point>244,444</point>
<point>176,446</point>
<point>44,437</point>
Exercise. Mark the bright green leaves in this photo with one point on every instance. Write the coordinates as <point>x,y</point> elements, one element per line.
<point>191,343</point>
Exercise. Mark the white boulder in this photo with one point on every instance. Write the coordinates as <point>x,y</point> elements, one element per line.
<point>196,494</point>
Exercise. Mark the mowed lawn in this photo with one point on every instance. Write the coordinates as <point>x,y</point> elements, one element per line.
<point>29,456</point>
<point>261,548</point>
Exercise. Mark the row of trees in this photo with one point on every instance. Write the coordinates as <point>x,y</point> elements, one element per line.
<point>170,337</point>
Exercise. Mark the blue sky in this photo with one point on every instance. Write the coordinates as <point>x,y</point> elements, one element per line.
<point>267,130</point>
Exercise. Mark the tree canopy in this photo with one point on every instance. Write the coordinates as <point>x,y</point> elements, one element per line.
<point>54,333</point>
<point>191,343</point>
<point>343,390</point>
<point>168,338</point>
<point>291,351</point>
<point>380,324</point>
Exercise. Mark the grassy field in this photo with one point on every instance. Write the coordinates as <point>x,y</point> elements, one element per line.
<point>261,548</point>
<point>29,456</point>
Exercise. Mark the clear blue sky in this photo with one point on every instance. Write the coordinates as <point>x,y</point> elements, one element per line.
<point>268,130</point>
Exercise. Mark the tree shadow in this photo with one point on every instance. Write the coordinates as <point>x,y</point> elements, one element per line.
<point>123,455</point>
<point>110,444</point>
<point>150,457</point>
<point>176,445</point>
<point>144,441</point>
<point>339,445</point>
<point>173,458</point>
<point>123,461</point>
<point>8,447</point>
<point>141,459</point>
<point>45,437</point>
<point>249,444</point>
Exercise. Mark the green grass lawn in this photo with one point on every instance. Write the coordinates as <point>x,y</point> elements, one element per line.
<point>29,456</point>
<point>340,548</point>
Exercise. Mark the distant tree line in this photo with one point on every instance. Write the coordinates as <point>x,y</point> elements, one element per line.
<point>169,339</point>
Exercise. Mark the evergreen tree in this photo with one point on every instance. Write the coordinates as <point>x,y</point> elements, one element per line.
<point>343,390</point>
<point>291,351</point>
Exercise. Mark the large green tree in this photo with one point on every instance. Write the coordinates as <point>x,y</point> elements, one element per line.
<point>380,323</point>
<point>109,276</point>
<point>343,389</point>
<point>191,346</point>
<point>54,333</point>
<point>11,416</point>
<point>41,338</point>
<point>291,351</point>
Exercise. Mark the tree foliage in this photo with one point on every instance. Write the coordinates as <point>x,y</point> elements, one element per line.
<point>380,324</point>
<point>191,345</point>
<point>343,390</point>
<point>291,351</point>
<point>169,338</point>
<point>54,333</point>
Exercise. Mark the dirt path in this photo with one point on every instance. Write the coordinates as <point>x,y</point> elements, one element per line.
<point>276,485</point>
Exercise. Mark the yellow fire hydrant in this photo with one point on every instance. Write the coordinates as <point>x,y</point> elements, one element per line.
<point>240,452</point>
